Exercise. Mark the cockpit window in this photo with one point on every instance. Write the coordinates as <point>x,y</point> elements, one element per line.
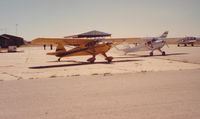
<point>154,39</point>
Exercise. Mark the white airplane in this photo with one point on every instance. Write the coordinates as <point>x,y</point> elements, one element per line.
<point>188,41</point>
<point>149,44</point>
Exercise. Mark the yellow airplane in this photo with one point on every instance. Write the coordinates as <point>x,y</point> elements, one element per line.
<point>82,47</point>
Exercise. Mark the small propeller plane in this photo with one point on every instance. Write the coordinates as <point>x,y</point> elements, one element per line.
<point>188,41</point>
<point>82,47</point>
<point>147,44</point>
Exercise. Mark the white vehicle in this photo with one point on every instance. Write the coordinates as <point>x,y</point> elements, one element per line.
<point>12,48</point>
<point>149,44</point>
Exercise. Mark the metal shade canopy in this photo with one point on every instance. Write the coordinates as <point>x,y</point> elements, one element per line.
<point>91,34</point>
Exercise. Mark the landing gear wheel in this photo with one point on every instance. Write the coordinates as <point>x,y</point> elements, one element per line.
<point>59,59</point>
<point>192,44</point>
<point>185,44</point>
<point>91,60</point>
<point>178,45</point>
<point>151,53</point>
<point>163,53</point>
<point>109,59</point>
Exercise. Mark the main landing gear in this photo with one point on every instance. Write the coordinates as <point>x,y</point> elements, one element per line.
<point>151,53</point>
<point>162,52</point>
<point>91,60</point>
<point>109,59</point>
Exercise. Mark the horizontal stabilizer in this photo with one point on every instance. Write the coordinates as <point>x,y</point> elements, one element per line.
<point>52,53</point>
<point>164,35</point>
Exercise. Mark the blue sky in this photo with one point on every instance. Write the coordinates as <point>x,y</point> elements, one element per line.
<point>122,18</point>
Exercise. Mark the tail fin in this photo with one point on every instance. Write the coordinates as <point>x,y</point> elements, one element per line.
<point>164,35</point>
<point>60,47</point>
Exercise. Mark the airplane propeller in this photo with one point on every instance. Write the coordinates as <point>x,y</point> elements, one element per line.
<point>165,42</point>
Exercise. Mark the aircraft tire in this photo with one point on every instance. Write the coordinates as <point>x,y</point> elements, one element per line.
<point>163,53</point>
<point>109,59</point>
<point>91,60</point>
<point>192,44</point>
<point>151,53</point>
<point>59,59</point>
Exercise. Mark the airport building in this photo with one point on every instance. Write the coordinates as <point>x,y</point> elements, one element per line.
<point>10,40</point>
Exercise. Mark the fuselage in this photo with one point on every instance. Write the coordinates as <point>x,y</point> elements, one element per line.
<point>151,45</point>
<point>156,43</point>
<point>188,40</point>
<point>81,51</point>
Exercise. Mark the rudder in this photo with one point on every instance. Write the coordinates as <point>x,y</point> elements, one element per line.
<point>60,47</point>
<point>164,35</point>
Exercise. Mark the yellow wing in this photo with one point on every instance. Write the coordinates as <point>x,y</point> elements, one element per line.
<point>82,42</point>
<point>64,41</point>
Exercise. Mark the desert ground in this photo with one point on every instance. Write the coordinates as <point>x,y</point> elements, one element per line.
<point>36,86</point>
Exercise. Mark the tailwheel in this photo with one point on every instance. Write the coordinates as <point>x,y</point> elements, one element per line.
<point>163,53</point>
<point>109,59</point>
<point>151,53</point>
<point>91,60</point>
<point>59,59</point>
